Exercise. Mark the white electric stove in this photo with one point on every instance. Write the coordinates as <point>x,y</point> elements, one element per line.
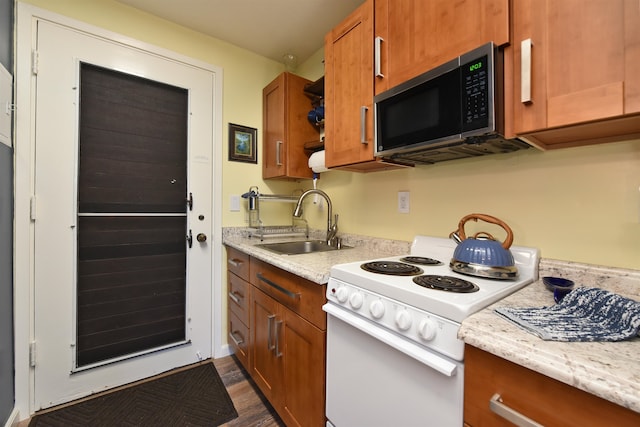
<point>402,335</point>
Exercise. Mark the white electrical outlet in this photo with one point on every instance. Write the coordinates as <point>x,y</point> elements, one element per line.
<point>403,201</point>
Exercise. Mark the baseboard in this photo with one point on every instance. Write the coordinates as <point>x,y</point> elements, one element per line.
<point>14,419</point>
<point>225,350</point>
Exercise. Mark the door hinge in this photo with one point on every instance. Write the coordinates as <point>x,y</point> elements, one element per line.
<point>32,208</point>
<point>34,62</point>
<point>32,354</point>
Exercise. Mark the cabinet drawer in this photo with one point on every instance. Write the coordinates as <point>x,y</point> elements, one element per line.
<point>297,294</point>
<point>239,339</point>
<point>238,263</point>
<point>536,396</point>
<point>238,297</point>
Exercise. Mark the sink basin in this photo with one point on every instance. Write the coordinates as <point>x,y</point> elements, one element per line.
<point>299,247</point>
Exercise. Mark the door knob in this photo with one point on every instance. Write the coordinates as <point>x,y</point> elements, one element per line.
<point>201,237</point>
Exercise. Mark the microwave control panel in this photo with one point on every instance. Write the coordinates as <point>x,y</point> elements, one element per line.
<point>475,93</point>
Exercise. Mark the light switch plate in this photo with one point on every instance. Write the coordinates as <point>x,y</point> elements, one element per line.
<point>6,105</point>
<point>234,203</point>
<point>403,202</point>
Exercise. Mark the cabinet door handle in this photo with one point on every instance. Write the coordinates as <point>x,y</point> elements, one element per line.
<point>235,296</point>
<point>363,124</point>
<point>270,332</point>
<point>278,150</point>
<point>525,71</point>
<point>235,262</point>
<point>279,288</point>
<point>278,329</point>
<point>236,341</point>
<point>377,60</point>
<point>496,406</point>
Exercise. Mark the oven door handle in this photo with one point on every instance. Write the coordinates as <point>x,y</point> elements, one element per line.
<point>420,354</point>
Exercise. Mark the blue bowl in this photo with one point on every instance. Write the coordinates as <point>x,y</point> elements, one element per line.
<point>553,283</point>
<point>559,286</point>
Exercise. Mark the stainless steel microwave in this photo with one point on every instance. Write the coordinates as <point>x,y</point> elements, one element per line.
<point>450,112</point>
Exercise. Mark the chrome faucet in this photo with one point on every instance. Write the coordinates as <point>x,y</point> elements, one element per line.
<point>332,229</point>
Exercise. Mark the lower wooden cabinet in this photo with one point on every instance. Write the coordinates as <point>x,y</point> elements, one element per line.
<point>283,343</point>
<point>542,399</point>
<point>238,291</point>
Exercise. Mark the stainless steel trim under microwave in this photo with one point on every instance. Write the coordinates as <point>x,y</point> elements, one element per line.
<point>453,111</point>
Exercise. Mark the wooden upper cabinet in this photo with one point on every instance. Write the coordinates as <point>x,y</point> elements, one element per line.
<point>349,89</point>
<point>582,67</point>
<point>417,35</point>
<point>349,127</point>
<point>286,128</point>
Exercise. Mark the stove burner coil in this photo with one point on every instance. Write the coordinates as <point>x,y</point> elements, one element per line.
<point>446,283</point>
<point>421,260</point>
<point>391,268</point>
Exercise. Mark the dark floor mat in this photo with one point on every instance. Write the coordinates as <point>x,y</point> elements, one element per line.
<point>194,397</point>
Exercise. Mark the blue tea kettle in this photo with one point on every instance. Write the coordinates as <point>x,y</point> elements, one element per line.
<point>482,255</point>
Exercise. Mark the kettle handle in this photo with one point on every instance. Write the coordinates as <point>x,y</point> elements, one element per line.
<point>486,218</point>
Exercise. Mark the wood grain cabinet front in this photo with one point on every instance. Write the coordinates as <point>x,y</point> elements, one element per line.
<point>286,128</point>
<point>349,90</point>
<point>288,330</point>
<point>277,330</point>
<point>238,263</point>
<point>415,36</point>
<point>238,305</point>
<point>496,390</point>
<point>576,78</point>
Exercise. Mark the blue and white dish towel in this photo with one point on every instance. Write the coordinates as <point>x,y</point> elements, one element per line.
<point>585,314</point>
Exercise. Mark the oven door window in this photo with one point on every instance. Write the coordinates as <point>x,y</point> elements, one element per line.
<point>426,112</point>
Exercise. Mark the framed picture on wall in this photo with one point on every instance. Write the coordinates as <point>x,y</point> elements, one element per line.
<point>242,144</point>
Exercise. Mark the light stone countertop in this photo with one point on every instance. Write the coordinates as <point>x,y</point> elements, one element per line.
<point>315,266</point>
<point>608,370</point>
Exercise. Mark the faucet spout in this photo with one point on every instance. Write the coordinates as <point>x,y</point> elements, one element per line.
<point>332,228</point>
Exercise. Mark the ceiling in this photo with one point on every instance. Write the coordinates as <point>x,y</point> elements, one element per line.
<point>271,28</point>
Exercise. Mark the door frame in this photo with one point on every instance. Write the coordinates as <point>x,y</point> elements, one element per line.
<point>24,169</point>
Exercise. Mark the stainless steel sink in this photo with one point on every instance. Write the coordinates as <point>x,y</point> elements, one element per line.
<point>300,247</point>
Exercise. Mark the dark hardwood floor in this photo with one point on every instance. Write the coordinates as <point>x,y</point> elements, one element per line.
<point>253,409</point>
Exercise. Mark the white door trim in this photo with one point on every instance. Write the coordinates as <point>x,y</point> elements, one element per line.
<point>24,149</point>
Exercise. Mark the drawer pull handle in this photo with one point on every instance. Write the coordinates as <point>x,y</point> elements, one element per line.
<point>236,341</point>
<point>235,262</point>
<point>497,406</point>
<point>278,328</point>
<point>270,332</point>
<point>234,296</point>
<point>274,285</point>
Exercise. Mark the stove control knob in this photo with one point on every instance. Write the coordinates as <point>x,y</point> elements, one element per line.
<point>377,309</point>
<point>403,320</point>
<point>356,300</point>
<point>427,329</point>
<point>342,294</point>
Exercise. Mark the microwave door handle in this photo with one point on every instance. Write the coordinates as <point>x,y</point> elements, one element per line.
<point>363,124</point>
